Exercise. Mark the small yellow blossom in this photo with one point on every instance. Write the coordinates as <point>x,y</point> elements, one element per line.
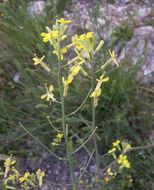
<point>62,51</point>
<point>37,60</point>
<point>75,70</point>
<point>83,43</point>
<point>63,21</point>
<point>49,94</point>
<point>8,164</point>
<point>116,143</point>
<point>25,177</point>
<point>89,35</point>
<point>48,36</point>
<point>123,161</point>
<point>40,174</point>
<point>40,61</point>
<point>113,57</point>
<point>59,136</point>
<point>97,92</point>
<point>66,83</point>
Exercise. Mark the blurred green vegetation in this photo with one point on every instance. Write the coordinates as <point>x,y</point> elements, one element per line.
<point>124,111</point>
<point>150,22</point>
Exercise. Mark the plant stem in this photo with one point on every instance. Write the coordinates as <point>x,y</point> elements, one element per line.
<point>93,126</point>
<point>64,127</point>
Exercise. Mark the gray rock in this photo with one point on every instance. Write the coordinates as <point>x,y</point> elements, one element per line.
<point>36,8</point>
<point>141,42</point>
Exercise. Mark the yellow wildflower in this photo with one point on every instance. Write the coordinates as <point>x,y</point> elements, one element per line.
<point>97,92</point>
<point>62,51</point>
<point>25,177</point>
<point>40,61</point>
<point>75,70</point>
<point>66,83</point>
<point>48,36</point>
<point>116,143</point>
<point>89,35</point>
<point>123,161</point>
<point>83,43</point>
<point>40,174</point>
<point>7,164</point>
<point>37,60</point>
<point>113,57</point>
<point>63,21</point>
<point>49,95</point>
<point>59,136</point>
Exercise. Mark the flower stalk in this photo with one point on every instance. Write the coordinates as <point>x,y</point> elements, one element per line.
<point>64,124</point>
<point>94,124</point>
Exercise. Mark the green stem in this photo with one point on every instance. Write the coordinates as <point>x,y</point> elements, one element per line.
<point>64,127</point>
<point>93,126</point>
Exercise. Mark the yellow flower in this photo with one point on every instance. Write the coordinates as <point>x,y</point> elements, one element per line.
<point>37,60</point>
<point>123,161</point>
<point>40,61</point>
<point>63,21</point>
<point>49,95</point>
<point>54,33</point>
<point>25,177</point>
<point>97,92</point>
<point>40,174</point>
<point>62,51</point>
<point>113,57</point>
<point>7,164</point>
<point>66,83</point>
<point>75,70</point>
<point>48,36</point>
<point>116,143</point>
<point>89,35</point>
<point>126,164</point>
<point>59,136</point>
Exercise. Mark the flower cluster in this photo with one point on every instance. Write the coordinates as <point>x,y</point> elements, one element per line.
<point>118,151</point>
<point>12,177</point>
<point>85,48</point>
<point>121,159</point>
